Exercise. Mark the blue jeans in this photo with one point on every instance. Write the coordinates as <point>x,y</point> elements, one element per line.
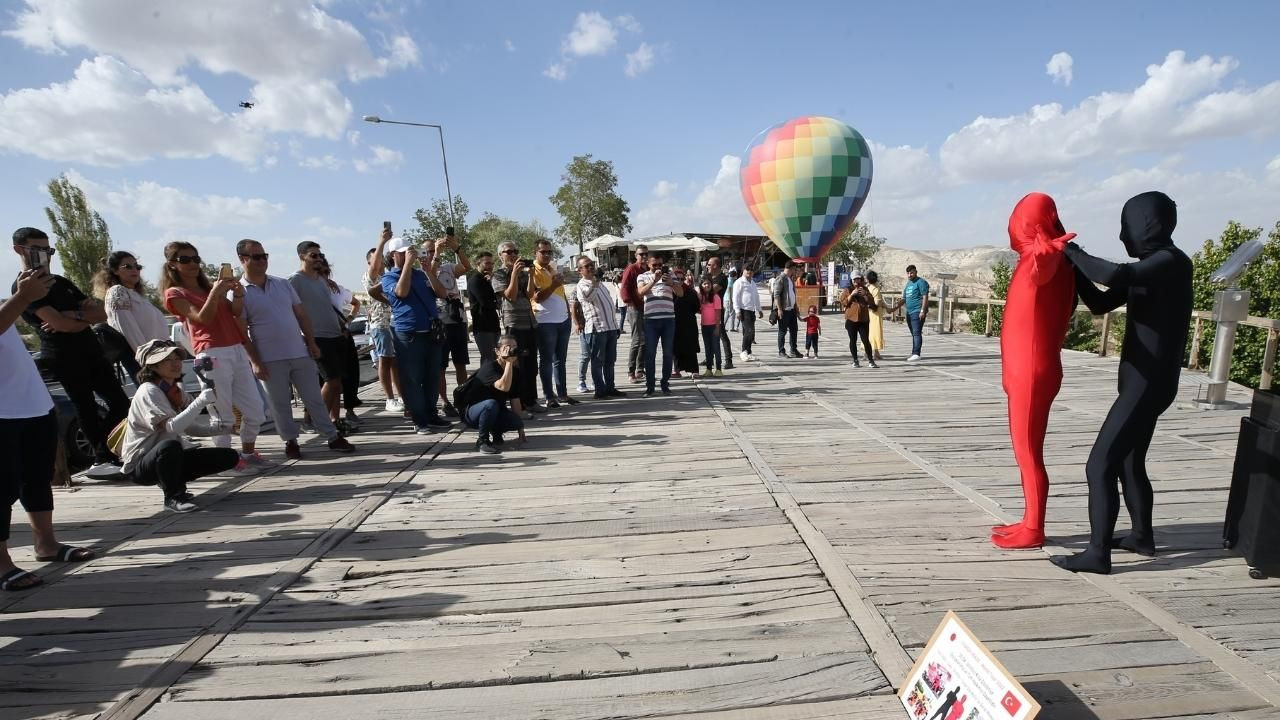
<point>917,331</point>
<point>584,357</point>
<point>418,357</point>
<point>602,348</point>
<point>711,345</point>
<point>553,349</point>
<point>659,330</point>
<point>491,417</point>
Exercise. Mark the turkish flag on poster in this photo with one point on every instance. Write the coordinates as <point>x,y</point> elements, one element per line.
<point>1010,704</point>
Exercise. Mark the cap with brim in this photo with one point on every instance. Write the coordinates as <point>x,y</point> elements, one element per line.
<point>153,351</point>
<point>398,244</point>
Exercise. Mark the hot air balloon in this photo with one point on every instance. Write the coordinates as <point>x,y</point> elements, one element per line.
<point>804,181</point>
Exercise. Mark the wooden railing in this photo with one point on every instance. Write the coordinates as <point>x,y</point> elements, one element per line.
<point>1202,318</point>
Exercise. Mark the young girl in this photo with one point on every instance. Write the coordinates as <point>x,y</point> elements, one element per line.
<point>812,329</point>
<point>211,320</point>
<point>711,308</point>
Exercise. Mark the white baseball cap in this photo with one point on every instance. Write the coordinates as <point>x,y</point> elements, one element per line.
<point>398,244</point>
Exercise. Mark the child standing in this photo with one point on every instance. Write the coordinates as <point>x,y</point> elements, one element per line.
<point>711,308</point>
<point>812,329</point>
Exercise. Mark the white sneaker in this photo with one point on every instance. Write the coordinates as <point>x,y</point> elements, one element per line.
<point>750,357</point>
<point>243,468</point>
<point>256,460</point>
<point>390,405</point>
<point>743,355</point>
<point>583,389</point>
<point>914,358</point>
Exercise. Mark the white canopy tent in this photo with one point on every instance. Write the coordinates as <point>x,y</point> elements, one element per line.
<point>670,243</point>
<point>605,242</point>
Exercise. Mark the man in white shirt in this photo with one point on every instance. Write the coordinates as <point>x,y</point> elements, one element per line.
<point>746,302</point>
<point>28,439</point>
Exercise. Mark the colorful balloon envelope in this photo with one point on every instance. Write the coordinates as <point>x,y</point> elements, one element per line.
<point>804,181</point>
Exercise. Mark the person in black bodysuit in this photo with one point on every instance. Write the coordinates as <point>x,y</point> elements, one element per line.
<point>1157,290</point>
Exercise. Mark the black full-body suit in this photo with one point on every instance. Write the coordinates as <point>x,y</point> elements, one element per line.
<point>1157,290</point>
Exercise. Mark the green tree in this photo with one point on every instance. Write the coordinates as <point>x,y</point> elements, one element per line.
<point>588,202</point>
<point>492,230</point>
<point>433,220</point>
<point>856,248</point>
<point>1262,280</point>
<point>1001,276</point>
<point>80,234</point>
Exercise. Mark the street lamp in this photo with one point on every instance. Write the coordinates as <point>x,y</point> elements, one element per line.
<point>443,157</point>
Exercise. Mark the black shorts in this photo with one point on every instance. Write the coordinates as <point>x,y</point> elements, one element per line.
<point>333,358</point>
<point>455,345</point>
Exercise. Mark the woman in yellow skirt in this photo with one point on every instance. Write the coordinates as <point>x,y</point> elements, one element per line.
<point>877,314</point>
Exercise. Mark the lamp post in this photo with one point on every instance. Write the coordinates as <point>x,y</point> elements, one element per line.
<point>443,157</point>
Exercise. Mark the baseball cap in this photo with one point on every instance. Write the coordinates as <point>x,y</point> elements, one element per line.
<point>153,351</point>
<point>398,244</point>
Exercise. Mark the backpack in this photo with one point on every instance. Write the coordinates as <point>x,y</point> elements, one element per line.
<point>462,394</point>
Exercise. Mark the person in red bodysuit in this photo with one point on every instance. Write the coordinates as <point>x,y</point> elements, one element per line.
<point>1041,300</point>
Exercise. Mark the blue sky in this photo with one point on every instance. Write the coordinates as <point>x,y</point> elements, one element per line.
<point>138,101</point>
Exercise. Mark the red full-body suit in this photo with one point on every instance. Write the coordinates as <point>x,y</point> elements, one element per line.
<point>1037,312</point>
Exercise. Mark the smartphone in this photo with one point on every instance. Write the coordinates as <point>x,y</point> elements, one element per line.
<point>386,224</point>
<point>225,272</point>
<point>34,258</point>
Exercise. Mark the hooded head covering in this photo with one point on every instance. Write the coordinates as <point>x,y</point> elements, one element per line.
<point>1034,212</point>
<point>1147,222</point>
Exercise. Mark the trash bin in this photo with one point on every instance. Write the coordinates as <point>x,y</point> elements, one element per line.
<point>1253,507</point>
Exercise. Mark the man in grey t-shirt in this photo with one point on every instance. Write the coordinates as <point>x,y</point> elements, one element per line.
<point>326,324</point>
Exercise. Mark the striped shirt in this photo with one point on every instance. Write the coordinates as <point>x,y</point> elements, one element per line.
<point>598,312</point>
<point>660,301</point>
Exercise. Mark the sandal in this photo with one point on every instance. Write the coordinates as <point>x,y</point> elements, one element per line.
<point>67,554</point>
<point>19,579</point>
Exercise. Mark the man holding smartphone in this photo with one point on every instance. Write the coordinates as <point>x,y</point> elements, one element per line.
<point>64,320</point>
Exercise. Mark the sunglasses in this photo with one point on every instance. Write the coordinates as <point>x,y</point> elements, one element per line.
<point>543,252</point>
<point>258,256</point>
<point>315,256</point>
<point>642,254</point>
<point>41,248</point>
<point>509,252</point>
<point>186,259</point>
<point>128,266</point>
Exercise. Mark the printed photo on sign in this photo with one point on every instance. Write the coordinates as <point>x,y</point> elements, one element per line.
<point>957,678</point>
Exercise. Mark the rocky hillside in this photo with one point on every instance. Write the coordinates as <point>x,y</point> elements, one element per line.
<point>972,267</point>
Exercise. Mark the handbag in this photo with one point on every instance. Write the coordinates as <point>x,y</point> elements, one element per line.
<point>773,315</point>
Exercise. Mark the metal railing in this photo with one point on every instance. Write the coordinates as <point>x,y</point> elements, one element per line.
<point>1202,318</point>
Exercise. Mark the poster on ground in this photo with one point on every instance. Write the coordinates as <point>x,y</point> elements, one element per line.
<point>957,678</point>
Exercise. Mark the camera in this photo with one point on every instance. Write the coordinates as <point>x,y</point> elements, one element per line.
<point>202,364</point>
<point>527,262</point>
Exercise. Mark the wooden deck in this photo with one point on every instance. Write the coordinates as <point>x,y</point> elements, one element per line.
<point>776,543</point>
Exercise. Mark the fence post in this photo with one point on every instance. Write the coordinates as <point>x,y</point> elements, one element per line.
<point>1106,335</point>
<point>1195,344</point>
<point>988,318</point>
<point>1269,359</point>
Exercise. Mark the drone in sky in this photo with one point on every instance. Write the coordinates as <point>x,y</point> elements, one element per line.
<point>246,105</point>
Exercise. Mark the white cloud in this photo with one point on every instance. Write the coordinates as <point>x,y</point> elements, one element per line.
<point>1172,108</point>
<point>716,207</point>
<point>557,71</point>
<point>173,209</point>
<point>353,137</point>
<point>510,46</point>
<point>592,34</point>
<point>628,23</point>
<point>383,157</point>
<point>640,61</point>
<point>664,189</point>
<point>322,162</point>
<point>403,53</point>
<point>295,39</point>
<point>110,114</point>
<point>135,100</point>
<point>1059,68</point>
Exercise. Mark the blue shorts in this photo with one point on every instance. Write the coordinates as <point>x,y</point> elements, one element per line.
<point>383,345</point>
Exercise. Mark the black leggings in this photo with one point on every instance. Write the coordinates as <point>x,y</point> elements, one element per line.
<point>1121,452</point>
<point>28,447</point>
<point>858,330</point>
<point>171,466</point>
<point>351,375</point>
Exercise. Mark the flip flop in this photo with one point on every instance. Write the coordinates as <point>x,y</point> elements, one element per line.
<point>67,554</point>
<point>11,581</point>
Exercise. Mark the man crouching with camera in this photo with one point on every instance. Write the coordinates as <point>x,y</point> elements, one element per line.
<point>153,451</point>
<point>487,393</point>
